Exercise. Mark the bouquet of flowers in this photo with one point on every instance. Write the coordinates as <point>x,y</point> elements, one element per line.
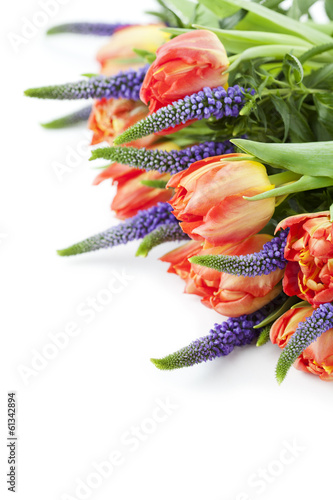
<point>218,121</point>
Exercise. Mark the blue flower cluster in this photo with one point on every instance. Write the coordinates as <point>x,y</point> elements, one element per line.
<point>135,228</point>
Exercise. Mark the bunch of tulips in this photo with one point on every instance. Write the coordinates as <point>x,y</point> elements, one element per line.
<point>221,136</point>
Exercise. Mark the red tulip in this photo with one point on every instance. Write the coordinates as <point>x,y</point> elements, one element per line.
<point>227,294</point>
<point>309,251</point>
<point>318,357</point>
<point>184,65</point>
<point>209,199</point>
<point>131,195</point>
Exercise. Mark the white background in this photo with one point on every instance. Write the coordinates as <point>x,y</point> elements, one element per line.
<point>231,419</point>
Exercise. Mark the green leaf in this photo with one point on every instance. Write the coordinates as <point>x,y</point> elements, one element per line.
<point>146,55</point>
<point>313,158</point>
<point>305,183</point>
<point>269,20</point>
<point>315,51</point>
<point>299,126</point>
<point>329,8</point>
<point>299,8</point>
<point>324,28</point>
<point>205,16</point>
<point>295,65</point>
<point>301,304</point>
<point>231,21</point>
<point>183,9</point>
<point>321,78</point>
<point>324,107</point>
<point>284,111</point>
<point>278,312</point>
<point>236,41</point>
<point>270,51</point>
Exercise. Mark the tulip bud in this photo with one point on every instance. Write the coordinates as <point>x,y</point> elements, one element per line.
<point>209,199</point>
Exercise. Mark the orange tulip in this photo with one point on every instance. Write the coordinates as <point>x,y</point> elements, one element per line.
<point>309,251</point>
<point>227,294</point>
<point>209,199</point>
<point>110,117</point>
<point>131,195</point>
<point>117,55</point>
<point>184,65</point>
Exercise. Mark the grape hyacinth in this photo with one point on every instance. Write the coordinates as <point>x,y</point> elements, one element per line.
<point>270,258</point>
<point>69,120</point>
<point>165,232</point>
<point>208,102</point>
<point>135,228</point>
<point>307,332</point>
<point>98,29</point>
<point>222,339</point>
<point>169,162</point>
<point>125,84</point>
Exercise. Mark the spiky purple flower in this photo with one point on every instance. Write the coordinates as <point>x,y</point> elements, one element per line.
<point>270,258</point>
<point>72,119</point>
<point>169,162</point>
<point>307,332</point>
<point>135,228</point>
<point>162,234</point>
<point>98,29</point>
<point>222,339</point>
<point>216,102</point>
<point>125,84</point>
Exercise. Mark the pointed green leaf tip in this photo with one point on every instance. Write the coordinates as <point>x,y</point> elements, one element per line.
<point>211,261</point>
<point>154,184</point>
<point>164,363</point>
<point>162,234</point>
<point>264,336</point>
<point>79,116</point>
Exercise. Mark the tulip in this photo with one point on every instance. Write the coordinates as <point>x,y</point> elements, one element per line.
<point>184,65</point>
<point>309,252</point>
<point>226,294</point>
<point>118,53</point>
<point>132,195</point>
<point>110,117</point>
<point>209,199</point>
<point>318,357</point>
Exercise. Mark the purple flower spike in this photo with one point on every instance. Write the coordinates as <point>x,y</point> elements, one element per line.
<point>135,228</point>
<point>222,339</point>
<point>270,258</point>
<point>97,29</point>
<point>169,162</point>
<point>216,102</point>
<point>307,332</point>
<point>125,84</point>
